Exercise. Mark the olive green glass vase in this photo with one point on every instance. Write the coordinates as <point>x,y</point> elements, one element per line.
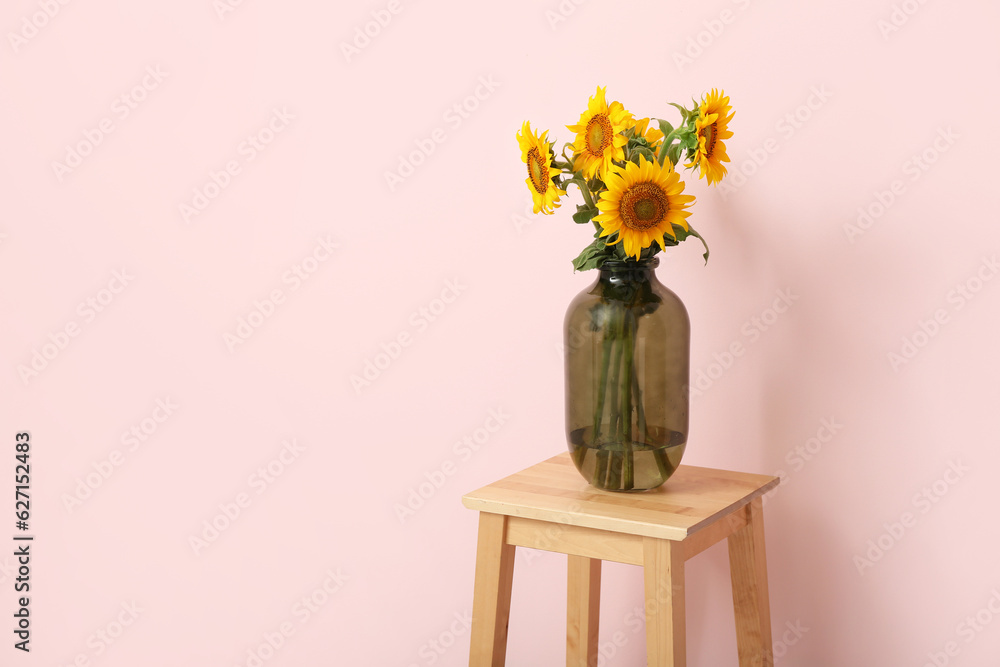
<point>627,343</point>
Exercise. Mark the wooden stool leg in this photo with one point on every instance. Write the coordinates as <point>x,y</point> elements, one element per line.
<point>491,599</point>
<point>583,611</point>
<point>663,562</point>
<point>748,566</point>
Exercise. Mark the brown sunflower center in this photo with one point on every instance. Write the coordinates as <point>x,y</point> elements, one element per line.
<point>538,172</point>
<point>710,133</point>
<point>643,206</point>
<point>599,134</point>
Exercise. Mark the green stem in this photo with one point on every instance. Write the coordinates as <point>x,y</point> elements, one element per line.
<point>614,482</point>
<point>568,158</point>
<point>640,408</point>
<point>602,388</point>
<point>584,189</point>
<point>662,464</point>
<point>613,331</point>
<point>667,142</point>
<point>602,460</point>
<point>600,468</point>
<point>693,232</point>
<point>628,360</point>
<point>613,428</point>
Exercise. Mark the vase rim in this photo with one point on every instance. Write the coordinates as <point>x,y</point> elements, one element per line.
<point>625,264</point>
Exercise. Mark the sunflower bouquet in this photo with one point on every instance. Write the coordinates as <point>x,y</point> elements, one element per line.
<point>627,336</point>
<point>625,169</point>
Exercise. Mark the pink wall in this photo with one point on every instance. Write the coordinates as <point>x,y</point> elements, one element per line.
<point>256,107</point>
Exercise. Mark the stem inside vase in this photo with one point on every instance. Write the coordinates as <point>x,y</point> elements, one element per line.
<point>627,373</point>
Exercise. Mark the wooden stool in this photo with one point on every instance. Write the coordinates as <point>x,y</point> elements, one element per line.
<point>550,506</point>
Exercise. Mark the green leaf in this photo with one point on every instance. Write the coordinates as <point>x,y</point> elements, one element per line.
<point>643,151</point>
<point>674,153</point>
<point>584,214</point>
<point>682,234</point>
<point>592,256</point>
<point>665,127</point>
<point>685,114</point>
<point>689,140</point>
<point>579,182</point>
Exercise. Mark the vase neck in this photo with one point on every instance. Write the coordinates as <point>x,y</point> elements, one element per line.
<point>628,271</point>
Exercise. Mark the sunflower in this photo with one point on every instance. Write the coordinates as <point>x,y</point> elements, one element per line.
<point>641,204</point>
<point>711,128</point>
<point>653,136</point>
<point>598,138</point>
<point>537,154</point>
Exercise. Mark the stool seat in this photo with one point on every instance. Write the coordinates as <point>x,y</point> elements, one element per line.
<point>550,506</point>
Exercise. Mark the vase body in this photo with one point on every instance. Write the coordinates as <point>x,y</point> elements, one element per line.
<point>627,345</point>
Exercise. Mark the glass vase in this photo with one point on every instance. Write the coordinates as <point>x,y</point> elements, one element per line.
<point>627,343</point>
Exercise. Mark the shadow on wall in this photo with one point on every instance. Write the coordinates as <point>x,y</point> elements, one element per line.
<point>816,383</point>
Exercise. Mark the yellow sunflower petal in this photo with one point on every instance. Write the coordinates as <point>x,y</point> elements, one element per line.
<point>535,153</point>
<point>712,128</point>
<point>642,203</point>
<point>598,142</point>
